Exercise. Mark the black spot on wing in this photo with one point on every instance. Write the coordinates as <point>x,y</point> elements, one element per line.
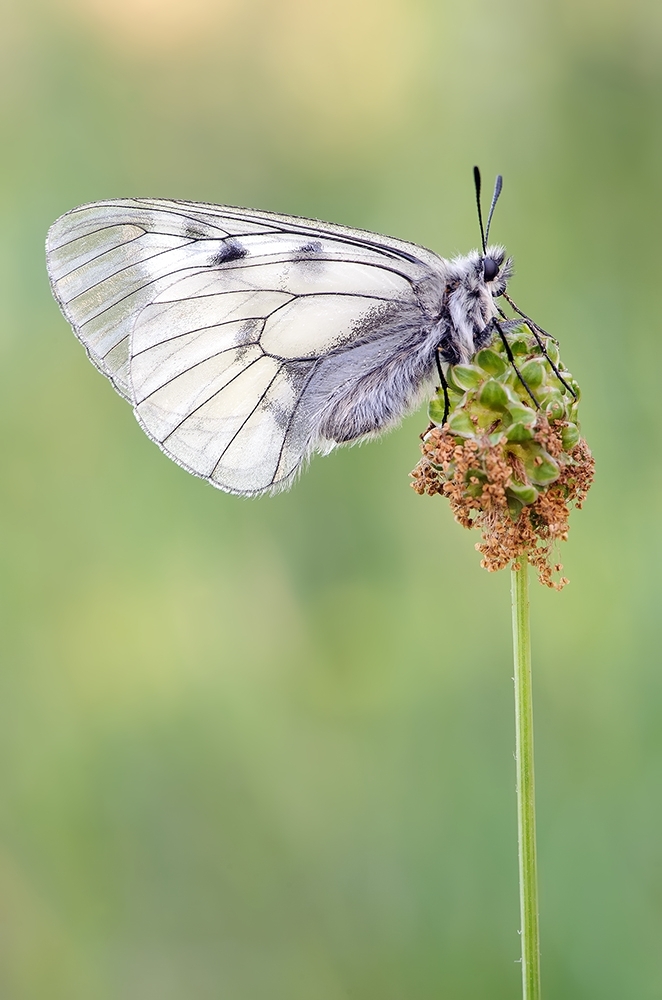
<point>230,250</point>
<point>196,232</point>
<point>310,254</point>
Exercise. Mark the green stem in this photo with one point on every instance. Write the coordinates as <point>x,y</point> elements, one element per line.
<point>526,809</point>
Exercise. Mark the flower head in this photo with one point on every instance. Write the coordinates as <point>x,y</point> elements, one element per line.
<point>509,469</point>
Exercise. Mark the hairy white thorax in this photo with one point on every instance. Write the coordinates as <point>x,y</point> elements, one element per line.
<point>472,299</point>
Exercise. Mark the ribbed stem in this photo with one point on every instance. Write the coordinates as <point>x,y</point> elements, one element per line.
<point>526,810</point>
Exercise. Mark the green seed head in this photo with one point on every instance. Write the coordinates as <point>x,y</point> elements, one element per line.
<point>509,465</point>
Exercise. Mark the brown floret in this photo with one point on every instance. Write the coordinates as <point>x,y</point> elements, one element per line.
<point>475,474</point>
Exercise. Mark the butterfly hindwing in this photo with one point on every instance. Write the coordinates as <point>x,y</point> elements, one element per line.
<point>245,340</point>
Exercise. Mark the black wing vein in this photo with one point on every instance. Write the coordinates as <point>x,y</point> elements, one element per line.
<point>216,354</point>
<point>213,396</point>
<point>244,422</point>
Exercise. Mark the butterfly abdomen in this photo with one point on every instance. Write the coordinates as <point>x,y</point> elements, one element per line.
<point>370,387</point>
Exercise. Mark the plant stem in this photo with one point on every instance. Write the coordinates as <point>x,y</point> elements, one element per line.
<point>526,810</point>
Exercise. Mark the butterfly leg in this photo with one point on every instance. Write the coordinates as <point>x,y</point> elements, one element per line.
<point>444,386</point>
<point>494,324</point>
<point>536,331</point>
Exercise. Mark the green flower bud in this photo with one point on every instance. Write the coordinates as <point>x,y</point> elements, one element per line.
<point>570,436</point>
<point>555,408</point>
<point>452,385</point>
<point>533,373</point>
<point>552,349</point>
<point>522,414</point>
<point>467,376</point>
<point>491,362</point>
<point>493,395</point>
<point>460,423</point>
<point>526,494</point>
<point>515,506</point>
<point>518,433</point>
<point>539,466</point>
<point>436,408</point>
<point>521,345</point>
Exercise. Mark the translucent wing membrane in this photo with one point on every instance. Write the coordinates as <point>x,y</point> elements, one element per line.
<point>246,340</point>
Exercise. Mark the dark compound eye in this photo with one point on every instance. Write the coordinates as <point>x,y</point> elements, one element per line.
<point>490,269</point>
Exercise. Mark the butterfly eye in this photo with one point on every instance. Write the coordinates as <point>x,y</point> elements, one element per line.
<point>490,269</point>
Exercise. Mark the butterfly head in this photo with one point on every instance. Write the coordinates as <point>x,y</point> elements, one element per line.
<point>496,269</point>
<point>474,281</point>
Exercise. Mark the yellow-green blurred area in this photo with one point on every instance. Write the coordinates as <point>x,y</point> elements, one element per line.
<point>263,750</point>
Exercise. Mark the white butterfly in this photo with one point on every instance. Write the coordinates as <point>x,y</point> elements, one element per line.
<point>245,341</point>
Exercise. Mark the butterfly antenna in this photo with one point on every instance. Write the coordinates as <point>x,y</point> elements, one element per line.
<point>495,197</point>
<point>480,214</point>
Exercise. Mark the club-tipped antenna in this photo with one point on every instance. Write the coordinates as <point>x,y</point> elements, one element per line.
<point>480,214</point>
<point>498,184</point>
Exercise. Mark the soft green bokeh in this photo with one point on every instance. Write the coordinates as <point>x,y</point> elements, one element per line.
<point>263,750</point>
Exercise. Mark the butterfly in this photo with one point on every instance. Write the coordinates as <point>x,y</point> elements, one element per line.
<point>245,341</point>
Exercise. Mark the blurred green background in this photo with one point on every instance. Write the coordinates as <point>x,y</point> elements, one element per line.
<point>263,750</point>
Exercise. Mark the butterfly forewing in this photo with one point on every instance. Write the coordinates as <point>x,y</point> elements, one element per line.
<point>232,332</point>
